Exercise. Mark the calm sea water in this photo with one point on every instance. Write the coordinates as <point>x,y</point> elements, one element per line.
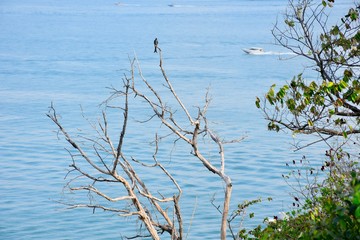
<point>68,52</point>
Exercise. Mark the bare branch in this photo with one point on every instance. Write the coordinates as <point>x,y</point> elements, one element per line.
<point>52,115</point>
<point>93,189</point>
<point>118,169</point>
<point>122,134</point>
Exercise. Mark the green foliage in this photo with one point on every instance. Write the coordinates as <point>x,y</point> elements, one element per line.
<point>333,214</point>
<point>290,23</point>
<point>328,3</point>
<point>301,98</point>
<point>331,102</point>
<point>242,211</point>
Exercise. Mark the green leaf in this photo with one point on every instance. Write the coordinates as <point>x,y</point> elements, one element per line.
<point>272,126</point>
<point>313,86</point>
<point>357,212</point>
<point>338,102</point>
<point>357,36</point>
<point>348,73</point>
<point>257,102</point>
<point>345,134</point>
<point>290,103</point>
<point>335,30</point>
<point>314,111</point>
<point>356,198</point>
<point>310,123</point>
<point>271,92</point>
<point>290,23</point>
<point>353,15</point>
<point>281,93</point>
<point>342,224</point>
<point>342,85</point>
<point>270,95</point>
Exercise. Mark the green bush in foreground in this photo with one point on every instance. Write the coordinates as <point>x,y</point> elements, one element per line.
<point>333,214</point>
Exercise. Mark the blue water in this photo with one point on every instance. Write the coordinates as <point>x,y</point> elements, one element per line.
<point>69,52</point>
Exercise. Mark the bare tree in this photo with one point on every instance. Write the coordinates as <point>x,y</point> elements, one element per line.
<point>110,165</point>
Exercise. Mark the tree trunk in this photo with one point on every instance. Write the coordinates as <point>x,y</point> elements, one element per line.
<point>225,213</point>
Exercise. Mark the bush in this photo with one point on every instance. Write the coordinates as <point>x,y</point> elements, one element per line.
<point>333,214</point>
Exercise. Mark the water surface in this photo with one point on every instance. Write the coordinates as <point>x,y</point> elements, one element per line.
<point>68,52</point>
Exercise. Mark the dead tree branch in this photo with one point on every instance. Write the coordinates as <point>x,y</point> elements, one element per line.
<point>107,163</point>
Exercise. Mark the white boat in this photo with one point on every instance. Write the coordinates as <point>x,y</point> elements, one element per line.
<point>254,50</point>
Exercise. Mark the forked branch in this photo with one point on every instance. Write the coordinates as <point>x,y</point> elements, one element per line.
<point>111,161</point>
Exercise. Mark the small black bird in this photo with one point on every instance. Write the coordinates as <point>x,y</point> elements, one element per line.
<point>156,45</point>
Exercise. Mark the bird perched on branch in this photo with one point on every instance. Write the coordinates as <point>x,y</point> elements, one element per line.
<point>156,45</point>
